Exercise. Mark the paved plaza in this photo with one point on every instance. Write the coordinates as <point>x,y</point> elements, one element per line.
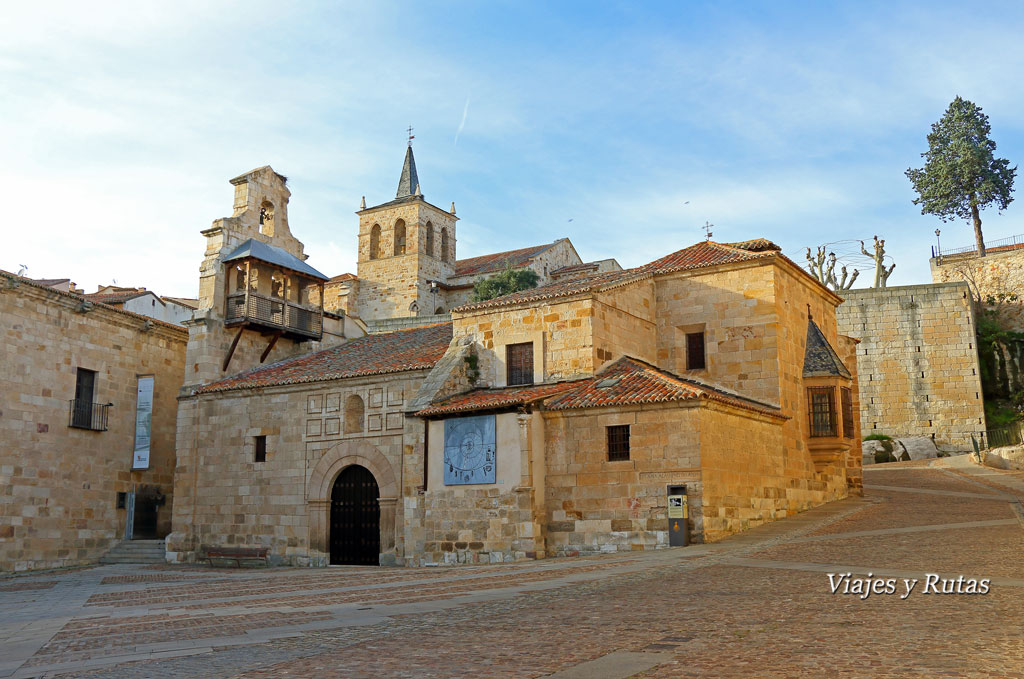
<point>759,604</point>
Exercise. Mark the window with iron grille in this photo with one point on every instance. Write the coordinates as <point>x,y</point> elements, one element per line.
<point>519,359</point>
<point>847,397</point>
<point>618,442</point>
<point>822,410</point>
<point>695,351</point>
<point>261,449</point>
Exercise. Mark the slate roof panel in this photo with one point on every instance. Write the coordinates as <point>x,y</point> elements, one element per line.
<point>820,359</point>
<point>273,255</point>
<point>399,351</point>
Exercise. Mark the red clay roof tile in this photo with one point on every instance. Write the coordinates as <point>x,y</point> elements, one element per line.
<point>630,381</point>
<point>399,351</point>
<point>498,261</point>
<point>490,399</point>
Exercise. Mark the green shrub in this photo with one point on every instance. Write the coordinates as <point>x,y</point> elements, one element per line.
<point>877,437</point>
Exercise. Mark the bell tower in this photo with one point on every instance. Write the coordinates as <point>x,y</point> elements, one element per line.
<point>404,245</point>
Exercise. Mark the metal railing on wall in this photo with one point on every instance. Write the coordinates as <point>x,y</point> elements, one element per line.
<point>1012,435</point>
<point>1011,243</point>
<point>83,414</point>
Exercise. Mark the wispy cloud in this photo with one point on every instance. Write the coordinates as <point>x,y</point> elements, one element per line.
<point>462,123</point>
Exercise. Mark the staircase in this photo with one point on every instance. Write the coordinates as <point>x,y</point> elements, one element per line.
<point>136,551</point>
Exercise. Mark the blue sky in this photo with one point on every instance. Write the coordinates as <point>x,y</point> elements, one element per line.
<point>120,124</point>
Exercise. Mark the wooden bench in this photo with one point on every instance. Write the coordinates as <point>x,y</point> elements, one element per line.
<point>237,554</point>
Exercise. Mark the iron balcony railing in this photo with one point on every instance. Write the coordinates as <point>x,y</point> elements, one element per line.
<point>1012,435</point>
<point>83,414</point>
<point>275,313</point>
<point>1011,243</point>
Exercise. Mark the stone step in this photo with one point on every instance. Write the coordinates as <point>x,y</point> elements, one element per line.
<point>136,551</point>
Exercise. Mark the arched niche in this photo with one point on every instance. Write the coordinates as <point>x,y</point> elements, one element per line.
<point>375,242</point>
<point>399,237</point>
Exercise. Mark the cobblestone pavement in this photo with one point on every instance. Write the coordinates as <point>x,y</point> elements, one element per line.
<point>756,605</point>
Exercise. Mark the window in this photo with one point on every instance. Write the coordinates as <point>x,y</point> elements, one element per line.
<point>822,411</point>
<point>353,414</point>
<point>444,245</point>
<point>399,237</point>
<point>618,443</point>
<point>519,360</point>
<point>260,448</point>
<point>430,239</point>
<point>85,392</point>
<point>695,351</point>
<point>375,242</point>
<point>847,397</point>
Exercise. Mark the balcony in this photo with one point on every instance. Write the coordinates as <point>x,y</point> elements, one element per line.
<point>273,313</point>
<point>83,414</point>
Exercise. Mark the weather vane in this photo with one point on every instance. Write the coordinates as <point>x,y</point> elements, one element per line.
<point>707,229</point>
<point>410,135</point>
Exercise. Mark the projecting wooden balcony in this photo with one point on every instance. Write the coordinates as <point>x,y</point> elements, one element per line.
<point>274,314</point>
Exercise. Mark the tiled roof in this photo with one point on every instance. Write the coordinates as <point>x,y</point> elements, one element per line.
<point>342,277</point>
<point>116,297</point>
<point>701,255</point>
<point>705,254</point>
<point>585,266</point>
<point>820,359</point>
<point>498,261</point>
<point>630,381</point>
<point>755,245</point>
<point>490,399</point>
<point>47,282</point>
<point>189,302</point>
<point>567,288</point>
<point>399,351</point>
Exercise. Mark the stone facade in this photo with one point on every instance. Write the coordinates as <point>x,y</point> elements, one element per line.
<point>59,484</point>
<point>918,361</point>
<point>228,498</point>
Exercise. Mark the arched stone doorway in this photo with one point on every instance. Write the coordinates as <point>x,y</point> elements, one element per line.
<point>322,481</point>
<point>355,518</point>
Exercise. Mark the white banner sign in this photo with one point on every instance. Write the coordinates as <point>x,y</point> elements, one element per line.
<point>143,423</point>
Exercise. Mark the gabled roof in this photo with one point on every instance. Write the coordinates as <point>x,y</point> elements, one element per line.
<point>393,352</point>
<point>190,302</point>
<point>705,254</point>
<point>117,297</point>
<point>702,255</point>
<point>491,399</point>
<point>272,255</point>
<point>574,268</point>
<point>409,182</point>
<point>630,381</point>
<point>499,260</point>
<point>49,282</point>
<point>340,278</point>
<point>820,359</point>
<point>574,286</point>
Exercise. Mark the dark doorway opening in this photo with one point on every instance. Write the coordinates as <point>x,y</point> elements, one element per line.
<point>355,518</point>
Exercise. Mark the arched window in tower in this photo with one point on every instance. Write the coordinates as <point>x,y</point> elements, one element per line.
<point>353,414</point>
<point>444,245</point>
<point>267,218</point>
<point>430,239</point>
<point>375,242</point>
<point>399,237</point>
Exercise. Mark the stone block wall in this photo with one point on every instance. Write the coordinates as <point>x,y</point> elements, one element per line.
<point>1001,271</point>
<point>58,484</point>
<point>624,323</point>
<point>596,505</point>
<point>918,361</point>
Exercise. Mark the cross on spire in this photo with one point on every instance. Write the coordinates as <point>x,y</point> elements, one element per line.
<point>707,229</point>
<point>411,137</point>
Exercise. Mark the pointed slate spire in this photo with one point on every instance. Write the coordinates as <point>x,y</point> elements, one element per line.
<point>409,181</point>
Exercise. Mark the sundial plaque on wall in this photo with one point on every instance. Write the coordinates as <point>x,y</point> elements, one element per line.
<point>469,450</point>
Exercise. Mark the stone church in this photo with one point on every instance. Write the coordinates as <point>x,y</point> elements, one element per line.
<point>384,417</point>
